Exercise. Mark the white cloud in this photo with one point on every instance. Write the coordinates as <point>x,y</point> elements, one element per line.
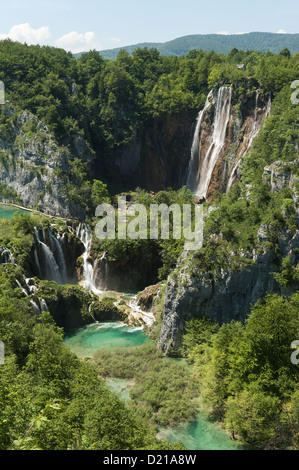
<point>227,33</point>
<point>24,33</point>
<point>76,42</point>
<point>281,31</point>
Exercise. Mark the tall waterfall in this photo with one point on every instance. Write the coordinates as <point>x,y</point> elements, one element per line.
<point>256,127</point>
<point>202,164</point>
<point>194,166</point>
<point>85,235</point>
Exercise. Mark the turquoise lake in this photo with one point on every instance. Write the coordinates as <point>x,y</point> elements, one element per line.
<point>7,211</point>
<point>86,341</point>
<point>199,435</point>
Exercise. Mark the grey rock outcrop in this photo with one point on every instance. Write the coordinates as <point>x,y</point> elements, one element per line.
<point>223,298</point>
<point>229,294</point>
<point>34,169</point>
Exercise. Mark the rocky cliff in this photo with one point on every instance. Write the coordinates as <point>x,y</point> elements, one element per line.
<point>34,169</point>
<point>156,159</point>
<point>173,151</point>
<point>227,294</point>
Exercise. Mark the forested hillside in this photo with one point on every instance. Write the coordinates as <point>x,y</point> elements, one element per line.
<point>68,135</point>
<point>223,43</point>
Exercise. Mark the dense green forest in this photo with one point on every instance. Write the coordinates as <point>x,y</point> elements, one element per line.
<point>109,103</point>
<point>51,400</point>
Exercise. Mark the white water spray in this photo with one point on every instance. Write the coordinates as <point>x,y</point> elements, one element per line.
<point>85,235</point>
<point>202,165</point>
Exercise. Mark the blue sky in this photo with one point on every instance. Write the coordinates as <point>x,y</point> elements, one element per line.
<point>78,25</point>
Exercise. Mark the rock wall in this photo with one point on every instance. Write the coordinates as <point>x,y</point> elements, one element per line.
<point>160,157</point>
<point>35,168</point>
<point>223,299</point>
<point>229,294</point>
<point>157,159</point>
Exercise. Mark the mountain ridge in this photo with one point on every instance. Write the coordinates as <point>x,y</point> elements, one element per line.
<point>219,43</point>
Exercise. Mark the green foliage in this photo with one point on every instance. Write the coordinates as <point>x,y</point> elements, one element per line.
<point>245,373</point>
<point>288,275</point>
<point>99,193</point>
<point>143,247</point>
<point>49,399</point>
<point>163,390</point>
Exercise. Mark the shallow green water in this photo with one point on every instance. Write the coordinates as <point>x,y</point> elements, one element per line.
<point>88,340</point>
<point>200,435</point>
<point>120,386</point>
<point>7,211</point>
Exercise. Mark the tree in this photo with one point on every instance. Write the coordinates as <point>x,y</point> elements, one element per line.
<point>99,193</point>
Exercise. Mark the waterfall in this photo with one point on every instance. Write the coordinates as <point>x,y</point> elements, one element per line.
<point>37,261</point>
<point>194,166</point>
<point>256,127</point>
<point>148,317</point>
<point>36,235</point>
<point>20,286</point>
<point>85,235</point>
<point>32,287</point>
<point>103,269</point>
<point>60,255</point>
<point>6,256</point>
<point>53,264</point>
<point>51,267</point>
<point>35,307</point>
<point>39,307</point>
<point>202,165</point>
<point>43,305</point>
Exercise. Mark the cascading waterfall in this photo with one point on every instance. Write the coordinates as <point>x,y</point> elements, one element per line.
<point>6,256</point>
<point>102,265</point>
<point>32,289</point>
<point>147,317</point>
<point>22,288</point>
<point>256,127</point>
<point>61,259</point>
<point>85,235</point>
<point>53,267</point>
<point>194,166</point>
<point>43,305</point>
<point>202,165</point>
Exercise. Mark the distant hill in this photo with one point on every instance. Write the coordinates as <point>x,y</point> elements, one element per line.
<point>263,42</point>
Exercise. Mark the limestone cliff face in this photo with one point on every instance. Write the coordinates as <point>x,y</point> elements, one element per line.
<point>159,158</point>
<point>171,148</point>
<point>229,293</point>
<point>222,298</point>
<point>34,168</point>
